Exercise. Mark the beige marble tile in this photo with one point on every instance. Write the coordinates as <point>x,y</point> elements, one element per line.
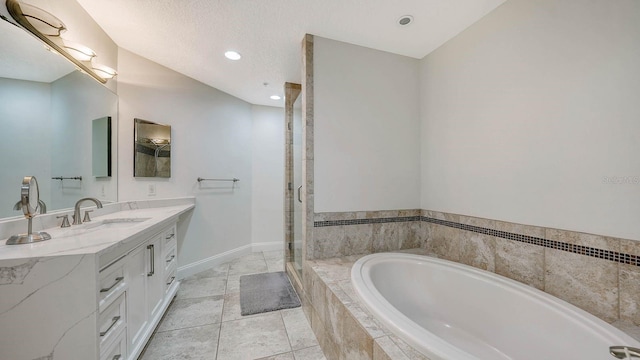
<point>356,342</point>
<point>192,312</point>
<point>329,347</point>
<point>407,349</point>
<point>199,343</point>
<point>348,290</point>
<point>328,242</point>
<point>445,242</point>
<point>372,326</point>
<point>443,216</point>
<point>337,290</point>
<point>335,269</point>
<point>412,235</point>
<point>386,237</point>
<point>298,329</point>
<point>629,283</point>
<point>478,250</point>
<point>476,221</point>
<point>382,214</point>
<point>385,349</point>
<point>253,337</point>
<point>310,353</point>
<point>586,282</point>
<point>357,239</point>
<point>529,230</point>
<point>409,212</point>
<point>577,238</point>
<point>334,216</point>
<point>628,246</point>
<point>520,261</point>
<point>335,314</point>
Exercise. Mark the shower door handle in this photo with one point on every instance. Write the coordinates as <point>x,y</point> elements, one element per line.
<point>299,189</point>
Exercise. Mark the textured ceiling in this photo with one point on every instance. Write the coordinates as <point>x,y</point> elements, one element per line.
<point>191,36</point>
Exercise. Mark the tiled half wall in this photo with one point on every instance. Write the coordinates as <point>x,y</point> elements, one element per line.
<point>599,274</point>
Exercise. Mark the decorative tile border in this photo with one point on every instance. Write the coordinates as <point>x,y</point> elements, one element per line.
<point>365,221</point>
<point>552,244</point>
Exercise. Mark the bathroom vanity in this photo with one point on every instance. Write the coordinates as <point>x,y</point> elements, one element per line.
<point>94,291</point>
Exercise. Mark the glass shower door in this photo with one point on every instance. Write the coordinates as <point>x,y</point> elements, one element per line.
<point>297,215</point>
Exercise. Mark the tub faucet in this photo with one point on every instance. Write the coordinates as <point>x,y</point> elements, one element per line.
<point>76,210</point>
<point>624,352</point>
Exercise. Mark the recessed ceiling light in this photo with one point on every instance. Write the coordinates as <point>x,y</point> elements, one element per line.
<point>405,20</point>
<point>232,55</point>
<point>275,97</point>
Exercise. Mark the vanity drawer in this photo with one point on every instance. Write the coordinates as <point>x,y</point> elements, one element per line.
<point>111,283</point>
<point>117,350</point>
<point>170,280</point>
<point>170,258</point>
<point>169,237</point>
<point>111,321</point>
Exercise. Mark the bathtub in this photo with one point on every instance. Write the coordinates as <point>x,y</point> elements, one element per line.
<point>452,311</point>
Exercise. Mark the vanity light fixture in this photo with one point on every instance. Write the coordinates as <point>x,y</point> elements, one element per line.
<point>104,71</point>
<point>232,55</point>
<point>42,21</point>
<point>79,51</point>
<point>275,97</point>
<point>47,28</point>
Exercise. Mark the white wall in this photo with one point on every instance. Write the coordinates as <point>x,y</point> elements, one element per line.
<point>367,129</point>
<point>211,137</point>
<point>527,112</point>
<point>267,202</point>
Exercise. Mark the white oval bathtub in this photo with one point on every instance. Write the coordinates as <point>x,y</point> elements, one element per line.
<point>452,311</point>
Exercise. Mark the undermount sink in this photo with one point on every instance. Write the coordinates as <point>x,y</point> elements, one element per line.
<point>96,225</point>
<point>114,223</point>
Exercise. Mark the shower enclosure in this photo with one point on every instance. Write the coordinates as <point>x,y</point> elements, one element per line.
<point>293,177</point>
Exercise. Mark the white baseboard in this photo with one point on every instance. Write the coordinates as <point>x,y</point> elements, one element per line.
<point>267,246</point>
<point>213,261</point>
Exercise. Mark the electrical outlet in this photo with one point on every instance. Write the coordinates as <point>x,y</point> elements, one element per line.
<point>152,189</point>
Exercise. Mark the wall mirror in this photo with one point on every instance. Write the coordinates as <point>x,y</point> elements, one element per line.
<point>101,147</point>
<point>46,113</point>
<point>152,152</point>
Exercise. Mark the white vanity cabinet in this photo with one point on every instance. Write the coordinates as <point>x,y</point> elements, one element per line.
<point>90,295</point>
<point>148,294</point>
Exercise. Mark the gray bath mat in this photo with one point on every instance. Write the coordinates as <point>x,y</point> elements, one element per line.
<point>266,292</point>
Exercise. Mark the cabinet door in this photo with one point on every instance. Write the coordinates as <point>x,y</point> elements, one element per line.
<point>155,276</point>
<point>137,315</point>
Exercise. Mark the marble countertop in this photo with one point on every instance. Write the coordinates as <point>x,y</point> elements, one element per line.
<point>89,238</point>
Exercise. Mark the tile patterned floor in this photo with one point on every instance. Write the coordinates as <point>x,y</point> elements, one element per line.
<point>204,321</point>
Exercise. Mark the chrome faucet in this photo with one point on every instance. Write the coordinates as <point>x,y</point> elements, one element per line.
<point>76,210</point>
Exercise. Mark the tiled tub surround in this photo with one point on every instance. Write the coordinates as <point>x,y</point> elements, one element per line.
<point>343,326</point>
<point>599,274</point>
<point>366,232</point>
